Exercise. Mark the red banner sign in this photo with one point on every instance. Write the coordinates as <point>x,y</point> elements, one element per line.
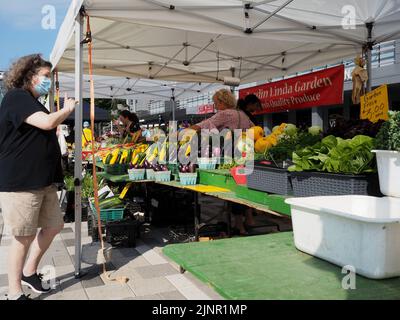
<point>321,88</point>
<point>206,108</point>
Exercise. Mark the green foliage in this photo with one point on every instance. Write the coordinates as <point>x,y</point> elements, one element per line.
<point>336,155</point>
<point>388,137</point>
<point>87,185</point>
<point>69,183</point>
<point>288,144</point>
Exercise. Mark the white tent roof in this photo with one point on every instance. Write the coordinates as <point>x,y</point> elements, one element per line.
<point>137,89</point>
<point>180,40</point>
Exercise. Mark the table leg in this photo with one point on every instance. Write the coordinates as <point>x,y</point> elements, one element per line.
<point>197,214</point>
<point>147,203</point>
<point>229,218</point>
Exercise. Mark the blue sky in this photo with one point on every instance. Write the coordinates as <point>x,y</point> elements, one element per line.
<point>21,31</point>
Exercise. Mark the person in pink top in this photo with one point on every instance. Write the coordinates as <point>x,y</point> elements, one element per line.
<point>227,116</point>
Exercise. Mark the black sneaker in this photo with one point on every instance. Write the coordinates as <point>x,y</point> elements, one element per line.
<point>22,297</point>
<point>34,282</point>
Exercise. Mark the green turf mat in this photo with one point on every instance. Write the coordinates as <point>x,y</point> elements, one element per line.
<point>270,267</point>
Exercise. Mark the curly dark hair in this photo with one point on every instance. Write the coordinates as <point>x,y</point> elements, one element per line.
<point>130,115</point>
<point>22,71</point>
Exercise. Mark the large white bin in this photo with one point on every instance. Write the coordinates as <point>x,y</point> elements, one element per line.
<point>358,231</point>
<point>389,172</point>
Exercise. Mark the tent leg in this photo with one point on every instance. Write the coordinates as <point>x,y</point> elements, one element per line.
<point>78,141</point>
<point>369,56</point>
<point>173,104</point>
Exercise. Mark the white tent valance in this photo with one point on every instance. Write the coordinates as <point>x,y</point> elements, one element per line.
<point>137,89</point>
<point>204,41</point>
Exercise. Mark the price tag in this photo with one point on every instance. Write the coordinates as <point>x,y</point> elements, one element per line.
<point>375,105</point>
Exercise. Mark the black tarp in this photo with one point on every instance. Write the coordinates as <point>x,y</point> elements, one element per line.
<point>101,115</point>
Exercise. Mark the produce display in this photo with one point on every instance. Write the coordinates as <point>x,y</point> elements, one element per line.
<point>388,137</point>
<point>287,144</point>
<point>125,155</point>
<point>336,155</point>
<point>188,168</point>
<point>348,129</point>
<point>111,203</point>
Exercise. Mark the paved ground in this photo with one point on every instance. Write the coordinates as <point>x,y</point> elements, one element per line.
<point>151,275</point>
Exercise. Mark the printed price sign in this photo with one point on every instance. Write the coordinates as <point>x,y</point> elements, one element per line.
<point>375,105</point>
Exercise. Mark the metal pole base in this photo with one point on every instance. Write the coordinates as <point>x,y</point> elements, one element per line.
<point>80,275</point>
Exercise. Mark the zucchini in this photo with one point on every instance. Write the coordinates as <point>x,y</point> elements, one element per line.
<point>118,158</point>
<point>111,203</point>
<point>108,158</point>
<point>129,157</point>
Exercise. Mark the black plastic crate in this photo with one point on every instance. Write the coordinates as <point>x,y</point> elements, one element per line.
<point>93,229</point>
<point>309,184</point>
<point>123,232</point>
<point>270,179</point>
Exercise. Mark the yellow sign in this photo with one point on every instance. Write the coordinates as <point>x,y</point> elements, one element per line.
<point>375,105</point>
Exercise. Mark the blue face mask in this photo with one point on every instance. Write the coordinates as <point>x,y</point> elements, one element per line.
<point>44,85</point>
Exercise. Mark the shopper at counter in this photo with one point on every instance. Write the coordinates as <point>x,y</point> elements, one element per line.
<point>228,116</point>
<point>130,126</point>
<point>249,105</point>
<point>30,162</point>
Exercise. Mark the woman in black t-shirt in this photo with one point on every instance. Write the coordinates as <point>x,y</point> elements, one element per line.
<point>30,162</point>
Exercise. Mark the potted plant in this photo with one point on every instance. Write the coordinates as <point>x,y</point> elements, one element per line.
<point>388,155</point>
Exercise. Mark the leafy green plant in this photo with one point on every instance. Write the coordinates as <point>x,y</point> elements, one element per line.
<point>388,137</point>
<point>288,144</point>
<point>336,155</point>
<point>69,183</point>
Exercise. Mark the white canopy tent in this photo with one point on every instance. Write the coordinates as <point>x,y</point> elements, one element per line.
<point>207,40</point>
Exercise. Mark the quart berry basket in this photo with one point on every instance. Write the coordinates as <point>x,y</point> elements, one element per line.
<point>207,163</point>
<point>136,174</point>
<point>162,176</point>
<point>150,174</point>
<point>188,179</point>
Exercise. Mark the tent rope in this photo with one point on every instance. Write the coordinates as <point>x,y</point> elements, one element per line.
<point>88,41</point>
<point>57,90</point>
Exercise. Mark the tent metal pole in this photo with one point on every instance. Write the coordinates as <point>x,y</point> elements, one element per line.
<point>51,93</point>
<point>272,14</point>
<point>369,26</point>
<point>173,103</point>
<point>78,141</point>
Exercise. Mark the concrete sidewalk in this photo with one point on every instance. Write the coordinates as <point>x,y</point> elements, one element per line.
<point>151,275</point>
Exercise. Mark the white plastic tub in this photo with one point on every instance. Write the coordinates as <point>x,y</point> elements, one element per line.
<point>389,172</point>
<point>358,231</point>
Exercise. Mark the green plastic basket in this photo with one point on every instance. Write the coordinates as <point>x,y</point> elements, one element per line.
<point>108,214</point>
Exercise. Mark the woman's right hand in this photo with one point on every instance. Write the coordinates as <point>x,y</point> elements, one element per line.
<point>69,103</point>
